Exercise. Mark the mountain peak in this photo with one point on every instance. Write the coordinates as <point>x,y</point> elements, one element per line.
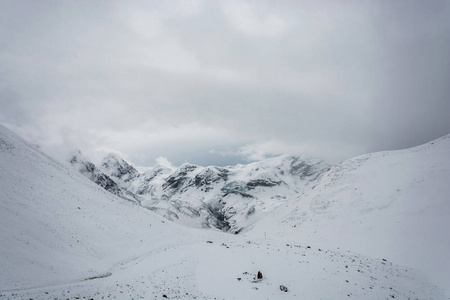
<point>117,168</point>
<point>90,171</point>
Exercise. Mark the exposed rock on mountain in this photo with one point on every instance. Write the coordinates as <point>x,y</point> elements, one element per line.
<point>227,198</point>
<point>89,170</point>
<point>118,169</point>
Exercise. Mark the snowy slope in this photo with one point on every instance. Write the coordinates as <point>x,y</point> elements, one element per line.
<point>393,205</point>
<point>63,237</point>
<point>56,226</point>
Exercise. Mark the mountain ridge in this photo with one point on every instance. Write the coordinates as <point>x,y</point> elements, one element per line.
<point>228,198</point>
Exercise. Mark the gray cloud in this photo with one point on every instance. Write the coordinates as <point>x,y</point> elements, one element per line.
<point>219,82</point>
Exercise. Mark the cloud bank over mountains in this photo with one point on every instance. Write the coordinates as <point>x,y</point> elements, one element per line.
<point>221,82</point>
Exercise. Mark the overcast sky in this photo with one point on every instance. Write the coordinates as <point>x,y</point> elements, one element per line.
<point>221,82</point>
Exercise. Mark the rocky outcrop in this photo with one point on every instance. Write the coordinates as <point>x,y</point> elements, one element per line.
<point>227,198</point>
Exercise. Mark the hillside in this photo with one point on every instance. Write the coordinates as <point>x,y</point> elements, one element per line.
<point>63,237</point>
<point>58,227</point>
<point>393,205</point>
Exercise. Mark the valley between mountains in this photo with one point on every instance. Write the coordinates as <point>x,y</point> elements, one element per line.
<point>372,227</point>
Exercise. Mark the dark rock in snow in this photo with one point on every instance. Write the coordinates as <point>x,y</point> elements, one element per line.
<point>252,184</point>
<point>259,276</point>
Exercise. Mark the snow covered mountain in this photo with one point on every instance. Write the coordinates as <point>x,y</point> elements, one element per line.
<point>381,198</point>
<point>119,170</point>
<point>227,198</point>
<point>393,204</point>
<point>64,237</point>
<point>58,227</point>
<point>89,170</point>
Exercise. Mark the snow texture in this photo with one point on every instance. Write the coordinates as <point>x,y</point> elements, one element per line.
<point>393,205</point>
<point>64,237</point>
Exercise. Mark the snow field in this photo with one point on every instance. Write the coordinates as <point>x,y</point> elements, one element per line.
<point>227,269</point>
<point>63,237</point>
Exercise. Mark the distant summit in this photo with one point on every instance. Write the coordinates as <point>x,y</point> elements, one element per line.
<point>118,169</point>
<point>89,170</point>
<point>228,198</point>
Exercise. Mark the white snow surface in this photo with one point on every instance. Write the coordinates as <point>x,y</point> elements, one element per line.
<point>393,205</point>
<point>63,237</point>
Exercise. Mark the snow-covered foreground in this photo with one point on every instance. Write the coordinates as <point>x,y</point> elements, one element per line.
<point>227,268</point>
<point>63,237</point>
<point>392,204</point>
